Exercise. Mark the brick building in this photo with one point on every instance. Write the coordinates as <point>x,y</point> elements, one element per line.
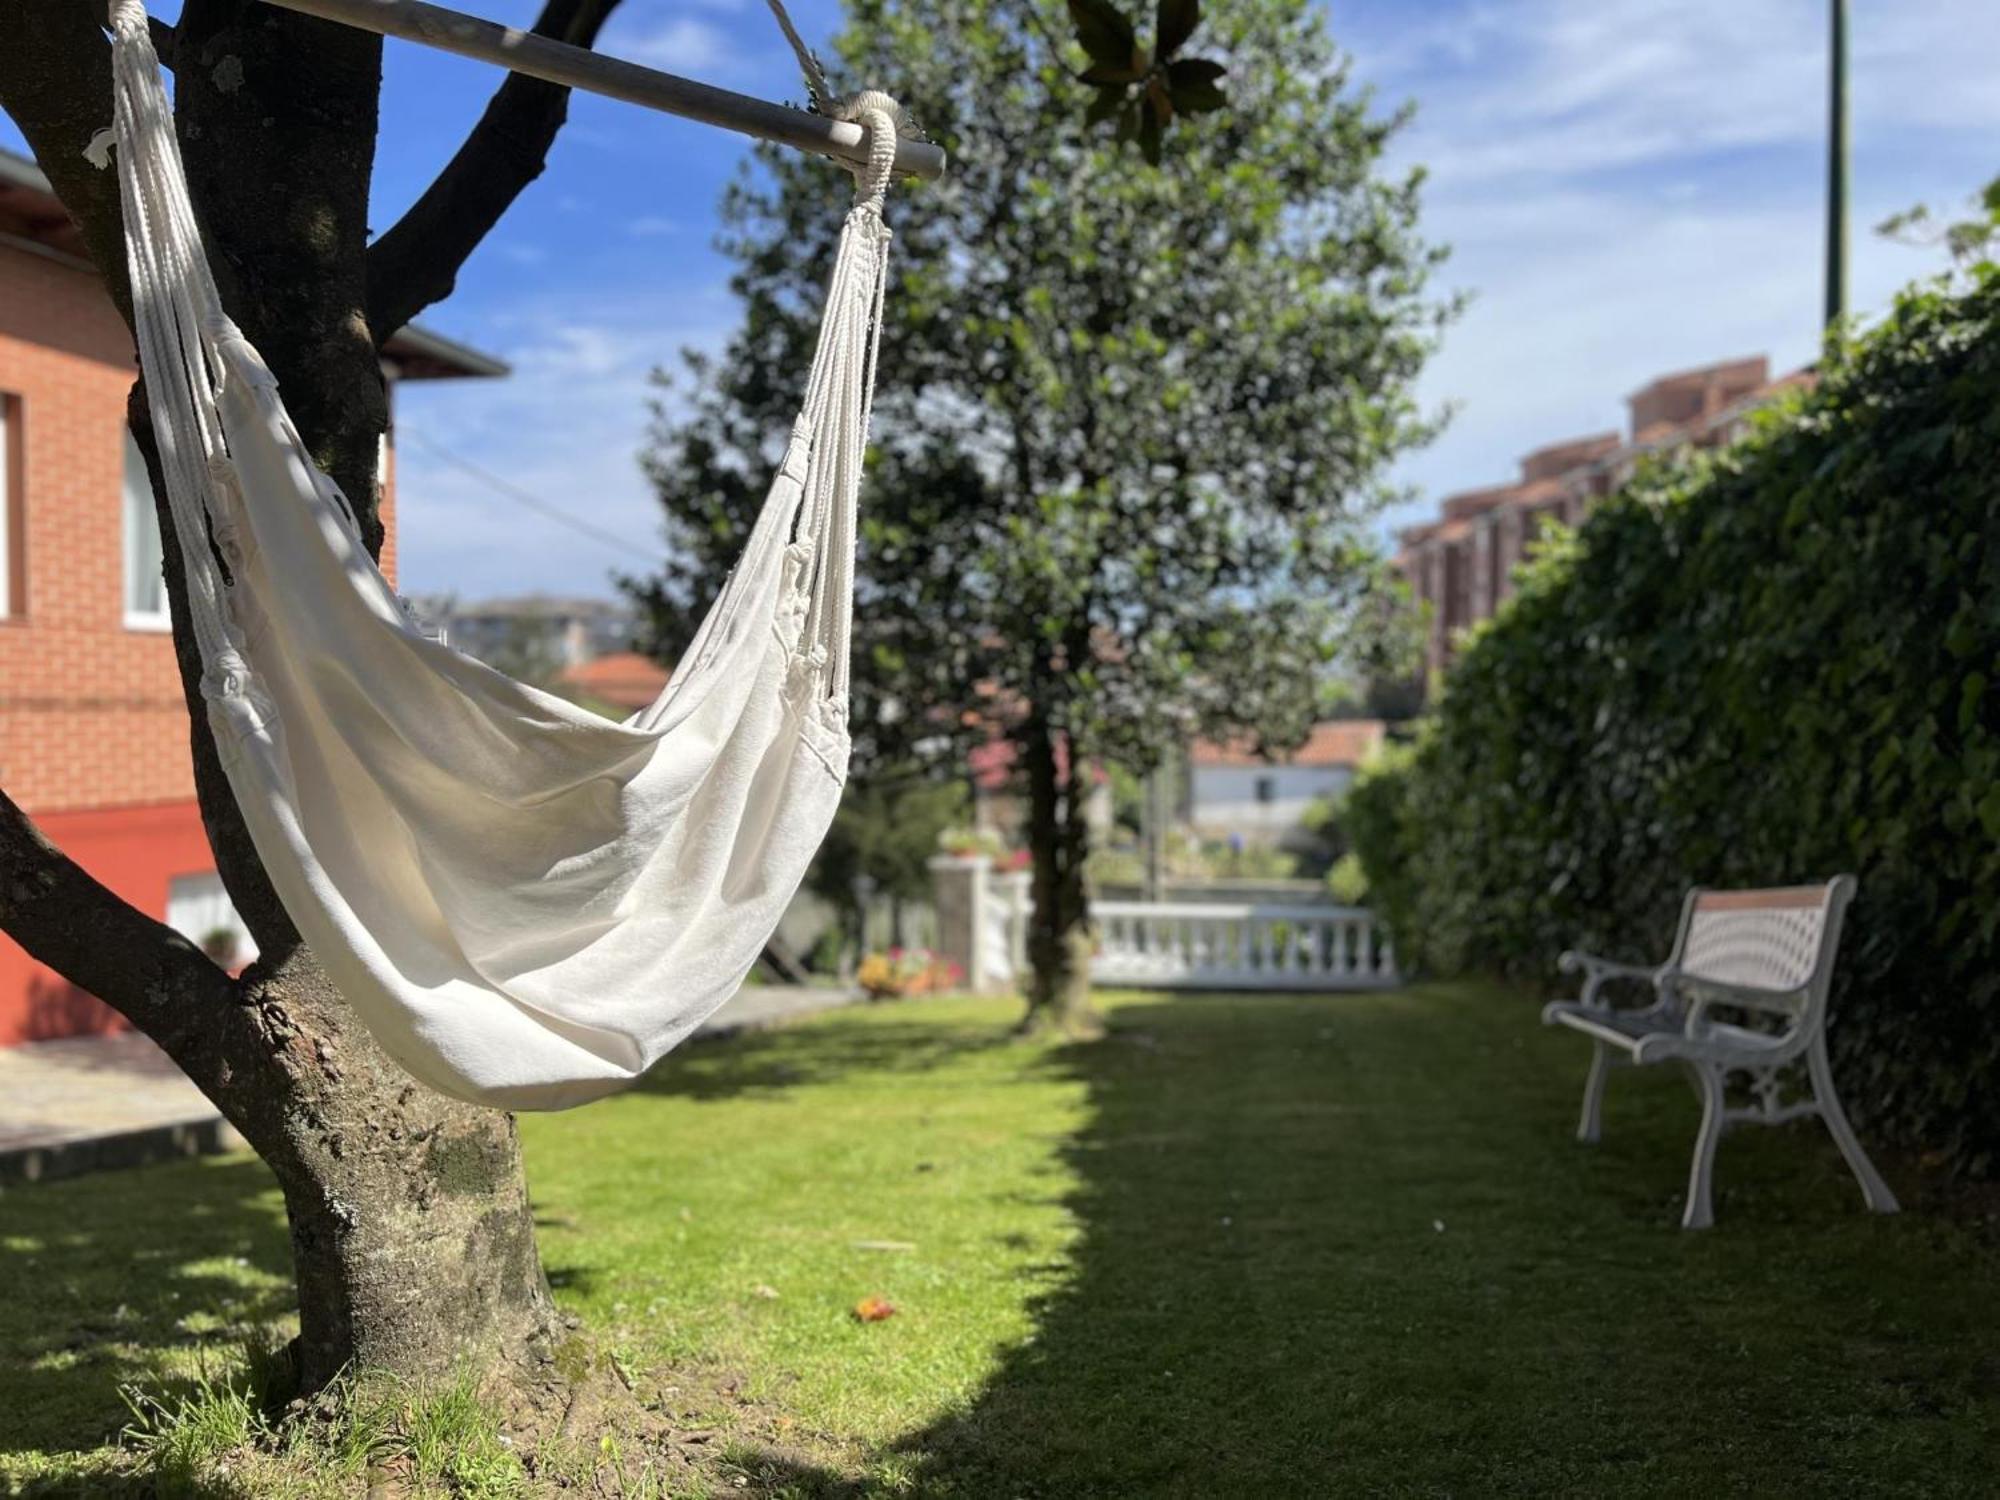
<point>93,727</point>
<point>1461,565</point>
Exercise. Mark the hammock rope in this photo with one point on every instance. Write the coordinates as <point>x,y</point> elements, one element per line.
<point>818,90</point>
<point>525,903</point>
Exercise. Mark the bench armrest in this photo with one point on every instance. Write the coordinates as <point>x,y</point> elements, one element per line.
<point>1598,972</point>
<point>1702,992</point>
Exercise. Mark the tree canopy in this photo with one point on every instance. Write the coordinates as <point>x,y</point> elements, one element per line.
<point>1131,418</point>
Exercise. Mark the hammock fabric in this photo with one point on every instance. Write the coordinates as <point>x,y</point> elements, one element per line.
<point>528,905</point>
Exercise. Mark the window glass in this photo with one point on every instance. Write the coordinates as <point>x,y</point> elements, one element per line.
<point>6,507</point>
<point>145,589</point>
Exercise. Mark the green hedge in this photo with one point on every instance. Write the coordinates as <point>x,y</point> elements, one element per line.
<point>1760,667</point>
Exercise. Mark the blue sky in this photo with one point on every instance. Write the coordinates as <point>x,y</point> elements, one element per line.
<point>1629,187</point>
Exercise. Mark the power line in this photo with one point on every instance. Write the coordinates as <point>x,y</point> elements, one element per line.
<point>510,491</point>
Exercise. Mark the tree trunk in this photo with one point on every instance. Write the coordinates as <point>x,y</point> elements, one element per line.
<point>412,1237</point>
<point>1059,934</point>
<point>413,1241</point>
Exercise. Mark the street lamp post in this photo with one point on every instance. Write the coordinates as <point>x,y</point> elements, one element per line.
<point>1836,166</point>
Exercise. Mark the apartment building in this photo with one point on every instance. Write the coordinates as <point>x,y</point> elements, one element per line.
<point>1460,566</point>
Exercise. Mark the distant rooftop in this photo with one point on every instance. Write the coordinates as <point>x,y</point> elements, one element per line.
<point>623,679</point>
<point>33,218</point>
<point>1333,742</point>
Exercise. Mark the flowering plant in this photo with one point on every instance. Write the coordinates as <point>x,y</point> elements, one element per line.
<point>907,971</point>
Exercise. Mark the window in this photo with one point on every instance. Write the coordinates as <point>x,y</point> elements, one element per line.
<point>1267,789</point>
<point>199,909</point>
<point>145,587</point>
<point>9,519</point>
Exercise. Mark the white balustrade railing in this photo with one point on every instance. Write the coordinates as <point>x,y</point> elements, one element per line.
<point>1239,945</point>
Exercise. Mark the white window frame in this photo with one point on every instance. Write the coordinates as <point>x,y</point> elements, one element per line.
<point>137,509</point>
<point>8,444</point>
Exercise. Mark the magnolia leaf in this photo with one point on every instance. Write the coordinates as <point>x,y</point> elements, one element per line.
<point>1177,21</point>
<point>1103,31</point>
<point>1130,72</point>
<point>1195,84</point>
<point>1159,100</point>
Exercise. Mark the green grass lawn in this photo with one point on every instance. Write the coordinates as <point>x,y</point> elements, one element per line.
<point>1260,1246</point>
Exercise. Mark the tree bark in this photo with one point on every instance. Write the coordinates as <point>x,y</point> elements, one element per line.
<point>1059,933</point>
<point>412,1236</point>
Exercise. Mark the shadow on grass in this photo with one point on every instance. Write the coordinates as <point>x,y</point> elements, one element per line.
<point>770,1061</point>
<point>105,1288</point>
<point>1324,1246</point>
<point>1347,1246</point>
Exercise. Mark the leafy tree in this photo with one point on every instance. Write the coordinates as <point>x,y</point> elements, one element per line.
<point>1130,417</point>
<point>412,1239</point>
<point>1969,241</point>
<point>884,836</point>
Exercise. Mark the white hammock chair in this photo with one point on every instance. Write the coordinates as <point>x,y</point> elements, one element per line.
<point>528,905</point>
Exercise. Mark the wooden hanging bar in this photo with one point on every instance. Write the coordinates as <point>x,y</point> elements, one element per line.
<point>593,72</point>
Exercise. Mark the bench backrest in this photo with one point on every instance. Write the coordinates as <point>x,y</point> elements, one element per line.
<point>1783,938</point>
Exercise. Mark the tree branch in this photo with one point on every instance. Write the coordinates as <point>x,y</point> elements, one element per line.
<point>164,39</point>
<point>147,972</point>
<point>416,261</point>
<point>55,82</point>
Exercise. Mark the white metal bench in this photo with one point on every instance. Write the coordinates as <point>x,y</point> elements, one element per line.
<point>1766,955</point>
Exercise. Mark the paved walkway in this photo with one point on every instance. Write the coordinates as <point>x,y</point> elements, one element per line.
<point>83,1103</point>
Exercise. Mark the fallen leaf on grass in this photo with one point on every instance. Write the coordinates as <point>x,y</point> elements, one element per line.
<point>884,1245</point>
<point>766,1292</point>
<point>874,1309</point>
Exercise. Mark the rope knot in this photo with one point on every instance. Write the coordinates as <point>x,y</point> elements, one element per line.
<point>882,117</point>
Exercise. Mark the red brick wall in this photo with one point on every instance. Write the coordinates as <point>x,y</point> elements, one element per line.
<point>387,480</point>
<point>93,727</point>
<point>91,713</point>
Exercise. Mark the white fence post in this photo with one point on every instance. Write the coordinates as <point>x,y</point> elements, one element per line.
<point>960,898</point>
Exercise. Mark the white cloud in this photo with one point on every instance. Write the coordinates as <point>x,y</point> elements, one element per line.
<point>1575,86</point>
<point>680,44</point>
<point>566,426</point>
<point>1631,187</point>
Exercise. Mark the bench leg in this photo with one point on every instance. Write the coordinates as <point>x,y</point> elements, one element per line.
<point>1873,1189</point>
<point>1591,1124</point>
<point>1700,1211</point>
